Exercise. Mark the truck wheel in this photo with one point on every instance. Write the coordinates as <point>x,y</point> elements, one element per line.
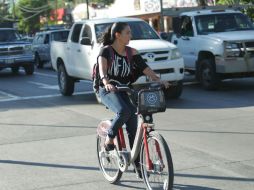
<point>65,82</point>
<point>38,61</point>
<point>29,69</point>
<point>15,70</point>
<point>175,91</point>
<point>208,76</point>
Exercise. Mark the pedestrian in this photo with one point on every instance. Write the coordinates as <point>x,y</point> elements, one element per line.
<point>119,71</point>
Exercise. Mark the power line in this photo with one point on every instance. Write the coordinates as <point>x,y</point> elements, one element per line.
<point>33,10</point>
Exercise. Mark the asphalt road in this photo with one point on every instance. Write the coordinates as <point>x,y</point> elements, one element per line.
<point>47,142</point>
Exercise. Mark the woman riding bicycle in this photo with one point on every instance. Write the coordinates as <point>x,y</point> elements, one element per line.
<point>116,72</point>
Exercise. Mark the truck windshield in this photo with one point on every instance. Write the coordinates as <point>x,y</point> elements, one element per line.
<point>207,24</point>
<point>139,30</point>
<point>60,36</point>
<point>9,36</point>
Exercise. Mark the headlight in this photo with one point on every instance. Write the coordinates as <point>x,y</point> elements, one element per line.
<point>28,47</point>
<point>233,49</point>
<point>175,54</point>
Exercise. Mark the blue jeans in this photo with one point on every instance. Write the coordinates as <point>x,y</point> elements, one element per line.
<point>119,103</point>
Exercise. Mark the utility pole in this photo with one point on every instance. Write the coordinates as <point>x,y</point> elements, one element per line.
<point>87,9</point>
<point>13,9</point>
<point>56,15</point>
<point>161,17</point>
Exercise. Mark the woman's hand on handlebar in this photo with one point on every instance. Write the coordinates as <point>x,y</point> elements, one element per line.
<point>110,87</point>
<point>166,84</point>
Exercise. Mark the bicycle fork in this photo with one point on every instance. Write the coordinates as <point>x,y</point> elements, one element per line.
<point>149,165</point>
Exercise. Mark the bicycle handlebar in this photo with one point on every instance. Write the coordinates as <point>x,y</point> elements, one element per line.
<point>125,88</point>
<point>152,85</point>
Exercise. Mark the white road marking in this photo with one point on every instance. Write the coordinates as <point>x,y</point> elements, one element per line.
<point>45,75</point>
<point>40,97</point>
<point>45,86</point>
<point>8,95</point>
<point>55,76</point>
<point>11,97</point>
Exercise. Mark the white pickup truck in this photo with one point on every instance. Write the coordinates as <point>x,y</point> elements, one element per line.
<point>74,59</point>
<point>215,44</point>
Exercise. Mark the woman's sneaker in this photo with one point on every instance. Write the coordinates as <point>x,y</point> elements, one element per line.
<point>138,173</point>
<point>109,147</point>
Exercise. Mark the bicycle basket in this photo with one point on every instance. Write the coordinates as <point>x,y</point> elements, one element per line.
<point>151,101</point>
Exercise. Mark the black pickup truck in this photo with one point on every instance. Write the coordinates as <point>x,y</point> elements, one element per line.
<point>14,52</point>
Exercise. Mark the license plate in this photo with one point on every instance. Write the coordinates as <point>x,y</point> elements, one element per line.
<point>9,61</point>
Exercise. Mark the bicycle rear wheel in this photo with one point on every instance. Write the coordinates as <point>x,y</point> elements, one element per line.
<point>108,162</point>
<point>161,176</point>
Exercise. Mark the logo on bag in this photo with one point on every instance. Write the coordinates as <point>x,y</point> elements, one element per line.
<point>150,57</point>
<point>151,98</point>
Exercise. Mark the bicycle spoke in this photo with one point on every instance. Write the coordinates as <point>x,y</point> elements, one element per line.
<point>108,162</point>
<point>161,175</point>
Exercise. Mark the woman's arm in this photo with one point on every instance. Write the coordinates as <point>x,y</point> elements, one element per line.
<point>103,66</point>
<point>148,71</point>
<point>151,74</point>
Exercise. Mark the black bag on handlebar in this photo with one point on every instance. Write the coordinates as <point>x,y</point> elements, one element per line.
<point>151,101</point>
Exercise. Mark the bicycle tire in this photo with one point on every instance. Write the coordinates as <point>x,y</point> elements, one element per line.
<point>112,175</point>
<point>159,167</point>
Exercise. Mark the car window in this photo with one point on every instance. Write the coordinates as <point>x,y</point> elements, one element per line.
<point>87,32</point>
<point>140,30</point>
<point>186,28</point>
<point>60,36</point>
<point>76,33</point>
<point>46,40</point>
<point>35,40</point>
<point>39,39</point>
<point>9,36</point>
<point>222,23</point>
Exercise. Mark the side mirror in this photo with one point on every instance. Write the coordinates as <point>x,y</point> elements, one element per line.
<point>177,26</point>
<point>164,35</point>
<point>86,41</point>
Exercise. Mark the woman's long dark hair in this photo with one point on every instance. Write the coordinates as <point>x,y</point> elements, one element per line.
<point>108,37</point>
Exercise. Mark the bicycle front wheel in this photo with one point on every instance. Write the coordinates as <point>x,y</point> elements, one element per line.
<point>108,162</point>
<point>161,174</point>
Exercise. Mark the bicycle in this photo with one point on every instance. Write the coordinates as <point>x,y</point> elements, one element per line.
<point>155,157</point>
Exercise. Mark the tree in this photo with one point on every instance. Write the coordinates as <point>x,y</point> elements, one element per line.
<point>202,2</point>
<point>228,2</point>
<point>106,2</point>
<point>4,12</point>
<point>249,11</point>
<point>29,13</point>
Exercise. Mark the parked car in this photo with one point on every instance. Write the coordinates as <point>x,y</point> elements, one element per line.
<point>14,52</point>
<point>41,45</point>
<point>215,44</point>
<point>74,59</point>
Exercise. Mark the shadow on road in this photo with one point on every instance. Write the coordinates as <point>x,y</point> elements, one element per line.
<point>123,182</point>
<point>232,94</point>
<point>191,187</point>
<point>92,168</point>
<point>211,132</point>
